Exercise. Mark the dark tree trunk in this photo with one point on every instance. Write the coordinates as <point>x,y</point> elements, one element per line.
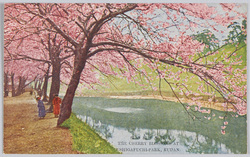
<point>45,87</point>
<point>54,53</point>
<point>55,83</point>
<point>13,93</point>
<point>6,83</point>
<point>21,86</point>
<point>65,110</point>
<point>39,87</point>
<point>40,81</point>
<point>35,86</point>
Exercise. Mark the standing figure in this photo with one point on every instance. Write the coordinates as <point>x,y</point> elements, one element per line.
<point>56,105</point>
<point>41,108</point>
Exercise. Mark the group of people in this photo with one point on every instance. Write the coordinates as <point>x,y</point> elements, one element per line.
<point>56,106</point>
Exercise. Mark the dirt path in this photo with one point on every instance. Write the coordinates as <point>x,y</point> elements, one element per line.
<point>24,133</point>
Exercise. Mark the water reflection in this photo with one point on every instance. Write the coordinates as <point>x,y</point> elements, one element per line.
<point>196,143</point>
<point>124,109</point>
<point>164,139</point>
<point>135,133</point>
<point>148,135</point>
<point>105,130</point>
<point>145,128</point>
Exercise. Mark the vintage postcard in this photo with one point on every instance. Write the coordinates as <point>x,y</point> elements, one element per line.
<point>125,78</point>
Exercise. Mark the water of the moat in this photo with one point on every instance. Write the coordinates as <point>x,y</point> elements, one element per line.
<point>157,126</point>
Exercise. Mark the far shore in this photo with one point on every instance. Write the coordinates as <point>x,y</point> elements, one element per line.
<point>203,103</point>
<point>206,104</point>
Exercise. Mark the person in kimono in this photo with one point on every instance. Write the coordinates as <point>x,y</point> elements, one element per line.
<point>56,105</point>
<point>41,108</point>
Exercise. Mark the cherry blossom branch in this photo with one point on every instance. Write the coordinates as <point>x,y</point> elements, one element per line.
<point>136,69</point>
<point>191,115</point>
<point>98,24</point>
<point>107,76</point>
<point>31,58</point>
<point>218,90</point>
<point>63,34</point>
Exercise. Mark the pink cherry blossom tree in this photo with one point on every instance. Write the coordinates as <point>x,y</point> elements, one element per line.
<point>42,47</point>
<point>125,36</point>
<point>21,74</point>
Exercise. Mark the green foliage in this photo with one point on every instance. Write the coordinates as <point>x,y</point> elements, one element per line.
<point>85,139</point>
<point>238,33</point>
<point>209,39</point>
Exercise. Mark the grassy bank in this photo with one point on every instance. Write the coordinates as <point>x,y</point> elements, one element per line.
<point>85,139</point>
